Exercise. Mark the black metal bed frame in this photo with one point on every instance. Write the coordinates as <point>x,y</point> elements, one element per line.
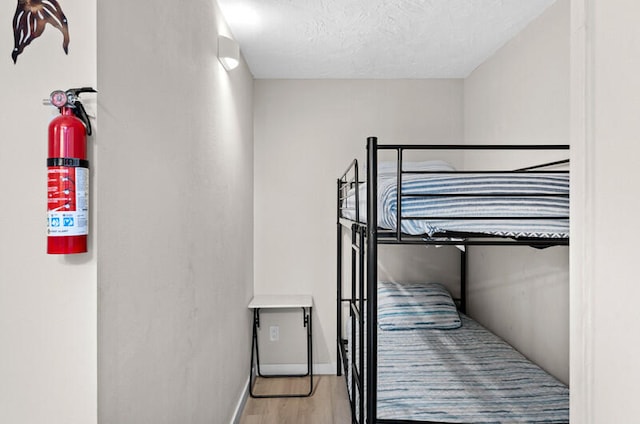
<point>363,301</point>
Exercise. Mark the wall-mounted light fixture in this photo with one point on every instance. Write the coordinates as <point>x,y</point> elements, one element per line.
<point>228,52</point>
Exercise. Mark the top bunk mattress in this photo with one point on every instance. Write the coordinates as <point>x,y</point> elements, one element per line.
<point>518,205</point>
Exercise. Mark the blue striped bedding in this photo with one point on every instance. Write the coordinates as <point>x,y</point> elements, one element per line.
<point>495,185</point>
<point>467,375</point>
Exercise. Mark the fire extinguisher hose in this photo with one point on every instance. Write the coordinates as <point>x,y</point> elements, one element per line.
<point>78,107</point>
<point>81,113</point>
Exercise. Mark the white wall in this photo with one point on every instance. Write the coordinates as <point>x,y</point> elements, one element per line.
<point>306,133</point>
<point>604,275</point>
<point>521,95</point>
<point>175,264</point>
<point>47,302</point>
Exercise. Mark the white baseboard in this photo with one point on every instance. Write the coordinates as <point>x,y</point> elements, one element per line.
<point>237,413</point>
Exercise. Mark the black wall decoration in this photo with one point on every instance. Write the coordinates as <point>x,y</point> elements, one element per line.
<point>30,20</point>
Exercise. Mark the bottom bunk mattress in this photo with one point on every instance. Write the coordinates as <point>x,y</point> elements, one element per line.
<point>463,375</point>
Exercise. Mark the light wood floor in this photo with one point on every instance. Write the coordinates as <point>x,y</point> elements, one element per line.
<point>329,403</point>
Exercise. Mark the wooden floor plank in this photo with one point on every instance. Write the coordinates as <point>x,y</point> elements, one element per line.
<point>328,404</point>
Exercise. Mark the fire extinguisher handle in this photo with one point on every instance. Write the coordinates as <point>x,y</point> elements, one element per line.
<point>77,91</point>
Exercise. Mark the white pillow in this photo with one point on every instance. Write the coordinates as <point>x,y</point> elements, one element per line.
<point>413,306</point>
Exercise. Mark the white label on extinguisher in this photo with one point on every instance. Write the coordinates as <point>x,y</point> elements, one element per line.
<point>67,201</point>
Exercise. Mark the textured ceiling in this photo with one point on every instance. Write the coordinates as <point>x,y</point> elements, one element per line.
<point>374,38</point>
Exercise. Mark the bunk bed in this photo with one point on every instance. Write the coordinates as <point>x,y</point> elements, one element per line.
<point>409,352</point>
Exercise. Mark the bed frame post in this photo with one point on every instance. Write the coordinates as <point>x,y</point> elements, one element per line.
<point>339,285</point>
<point>372,279</point>
<point>463,280</point>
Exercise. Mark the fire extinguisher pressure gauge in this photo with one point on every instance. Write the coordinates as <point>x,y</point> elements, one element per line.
<point>58,98</point>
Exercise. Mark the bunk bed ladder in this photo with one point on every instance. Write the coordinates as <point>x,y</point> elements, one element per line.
<point>356,318</point>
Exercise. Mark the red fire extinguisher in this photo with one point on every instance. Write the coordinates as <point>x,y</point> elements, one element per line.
<point>68,174</point>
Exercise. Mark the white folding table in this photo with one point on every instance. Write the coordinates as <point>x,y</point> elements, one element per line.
<point>259,302</point>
